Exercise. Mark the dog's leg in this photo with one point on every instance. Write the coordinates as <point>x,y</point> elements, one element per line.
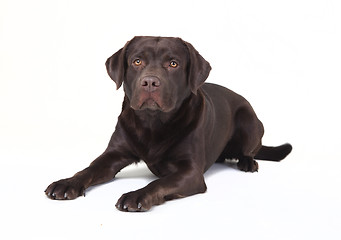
<point>103,169</point>
<point>249,132</point>
<point>184,183</point>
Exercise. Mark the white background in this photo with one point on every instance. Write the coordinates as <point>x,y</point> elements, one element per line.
<point>58,109</point>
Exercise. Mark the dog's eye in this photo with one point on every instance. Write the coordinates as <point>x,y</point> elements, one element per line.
<point>173,64</point>
<point>137,62</point>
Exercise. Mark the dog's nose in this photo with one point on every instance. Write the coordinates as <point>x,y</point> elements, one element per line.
<point>150,83</point>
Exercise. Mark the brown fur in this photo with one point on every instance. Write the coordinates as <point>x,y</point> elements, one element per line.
<point>173,121</point>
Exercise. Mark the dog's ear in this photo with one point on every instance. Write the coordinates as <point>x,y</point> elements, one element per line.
<point>198,70</point>
<point>116,66</point>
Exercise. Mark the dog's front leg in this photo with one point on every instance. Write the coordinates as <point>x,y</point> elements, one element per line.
<point>183,183</point>
<point>103,169</point>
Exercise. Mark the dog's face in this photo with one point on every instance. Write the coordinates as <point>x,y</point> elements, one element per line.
<point>158,73</point>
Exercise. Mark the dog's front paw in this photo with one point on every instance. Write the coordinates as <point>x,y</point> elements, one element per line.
<point>137,201</point>
<point>65,189</point>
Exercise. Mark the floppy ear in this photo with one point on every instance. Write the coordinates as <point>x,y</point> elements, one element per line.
<point>116,66</point>
<point>199,68</point>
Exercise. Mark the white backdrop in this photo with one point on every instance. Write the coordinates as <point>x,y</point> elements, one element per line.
<point>58,109</point>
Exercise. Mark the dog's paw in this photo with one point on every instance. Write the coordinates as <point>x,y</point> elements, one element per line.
<point>247,165</point>
<point>137,201</point>
<point>65,189</point>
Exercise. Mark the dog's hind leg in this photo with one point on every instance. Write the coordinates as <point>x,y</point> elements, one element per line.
<point>247,138</point>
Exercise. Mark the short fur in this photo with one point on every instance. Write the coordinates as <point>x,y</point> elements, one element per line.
<point>173,121</point>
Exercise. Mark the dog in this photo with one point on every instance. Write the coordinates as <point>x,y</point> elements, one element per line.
<point>173,121</point>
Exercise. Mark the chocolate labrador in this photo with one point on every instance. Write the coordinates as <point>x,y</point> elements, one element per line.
<point>173,121</point>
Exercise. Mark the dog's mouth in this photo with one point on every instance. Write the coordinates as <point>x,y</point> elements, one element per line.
<point>154,101</point>
<point>144,100</point>
<point>151,104</point>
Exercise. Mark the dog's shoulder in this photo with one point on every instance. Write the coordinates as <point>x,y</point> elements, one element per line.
<point>221,94</point>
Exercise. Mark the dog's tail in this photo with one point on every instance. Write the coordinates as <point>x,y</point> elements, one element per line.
<point>274,153</point>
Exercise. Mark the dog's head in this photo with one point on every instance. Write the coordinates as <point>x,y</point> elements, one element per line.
<point>158,73</point>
